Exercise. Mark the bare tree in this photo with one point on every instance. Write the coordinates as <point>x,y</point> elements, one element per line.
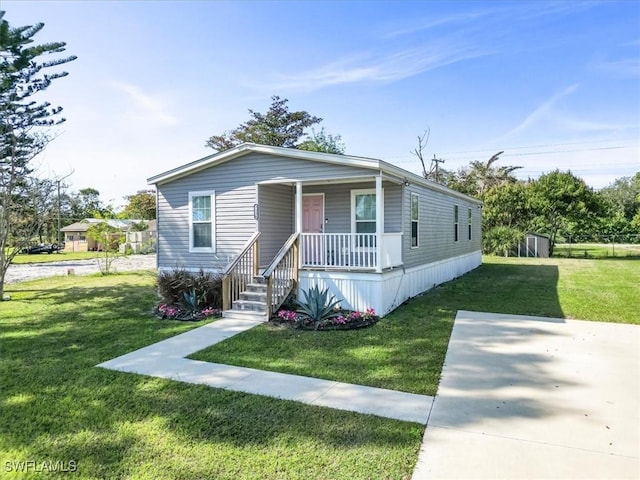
<point>422,143</point>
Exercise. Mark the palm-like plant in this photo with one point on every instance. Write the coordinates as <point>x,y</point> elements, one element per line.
<point>317,305</point>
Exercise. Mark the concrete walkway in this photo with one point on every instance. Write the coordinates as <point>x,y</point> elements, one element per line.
<point>520,397</point>
<point>527,397</point>
<point>165,359</point>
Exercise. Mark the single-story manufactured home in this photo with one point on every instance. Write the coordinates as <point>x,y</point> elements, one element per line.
<point>372,233</point>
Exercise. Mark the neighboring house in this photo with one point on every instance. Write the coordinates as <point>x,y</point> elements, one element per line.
<point>140,241</point>
<point>77,240</point>
<point>534,245</point>
<point>374,234</point>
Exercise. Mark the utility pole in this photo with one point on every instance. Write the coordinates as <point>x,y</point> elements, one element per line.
<point>435,166</point>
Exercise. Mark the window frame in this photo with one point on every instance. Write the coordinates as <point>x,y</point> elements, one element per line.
<point>456,223</point>
<point>212,195</point>
<point>470,222</point>
<point>414,220</point>
<point>354,194</point>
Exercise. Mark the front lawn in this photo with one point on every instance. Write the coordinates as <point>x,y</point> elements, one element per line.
<point>56,406</point>
<point>406,349</point>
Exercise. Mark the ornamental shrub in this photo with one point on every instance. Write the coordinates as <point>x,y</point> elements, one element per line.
<point>200,290</point>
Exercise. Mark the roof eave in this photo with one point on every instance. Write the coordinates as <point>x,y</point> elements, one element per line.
<point>362,162</point>
<point>245,148</point>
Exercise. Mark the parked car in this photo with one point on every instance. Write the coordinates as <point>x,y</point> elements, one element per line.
<point>43,248</point>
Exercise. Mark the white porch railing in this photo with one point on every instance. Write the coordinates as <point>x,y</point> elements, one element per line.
<point>350,251</point>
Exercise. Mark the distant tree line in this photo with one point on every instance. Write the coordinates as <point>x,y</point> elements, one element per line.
<point>557,204</point>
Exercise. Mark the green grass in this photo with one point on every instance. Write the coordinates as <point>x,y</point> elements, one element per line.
<point>596,250</point>
<point>23,258</point>
<point>406,349</point>
<point>55,405</point>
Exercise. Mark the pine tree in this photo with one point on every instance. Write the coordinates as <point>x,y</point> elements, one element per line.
<point>24,125</point>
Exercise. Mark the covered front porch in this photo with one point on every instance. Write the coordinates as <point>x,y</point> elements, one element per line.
<point>347,225</point>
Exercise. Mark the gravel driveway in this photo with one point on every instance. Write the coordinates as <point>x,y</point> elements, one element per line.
<point>20,273</point>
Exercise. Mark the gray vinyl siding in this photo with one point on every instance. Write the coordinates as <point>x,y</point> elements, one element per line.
<point>436,227</point>
<point>276,219</point>
<point>234,183</point>
<point>337,205</point>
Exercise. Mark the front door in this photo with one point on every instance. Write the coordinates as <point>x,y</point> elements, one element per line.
<point>313,222</point>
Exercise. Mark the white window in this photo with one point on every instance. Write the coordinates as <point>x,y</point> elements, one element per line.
<point>455,223</point>
<point>201,221</point>
<point>363,211</point>
<point>363,215</point>
<point>415,216</point>
<point>470,223</point>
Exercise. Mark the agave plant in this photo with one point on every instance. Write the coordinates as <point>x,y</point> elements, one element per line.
<point>190,300</point>
<point>317,306</point>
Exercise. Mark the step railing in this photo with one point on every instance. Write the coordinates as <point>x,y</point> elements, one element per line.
<point>282,274</point>
<point>240,272</point>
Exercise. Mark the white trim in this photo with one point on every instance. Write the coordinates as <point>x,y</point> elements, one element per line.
<point>324,181</point>
<point>387,290</point>
<point>298,207</point>
<point>212,195</point>
<point>379,166</point>
<point>363,191</point>
<point>379,221</point>
<point>411,220</point>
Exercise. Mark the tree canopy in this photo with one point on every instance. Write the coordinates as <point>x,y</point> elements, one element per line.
<point>557,204</point>
<point>141,205</point>
<point>24,123</point>
<point>278,127</point>
<point>323,142</point>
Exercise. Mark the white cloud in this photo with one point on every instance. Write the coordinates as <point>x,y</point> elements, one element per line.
<point>388,67</point>
<point>145,106</point>
<point>540,113</point>
<point>423,25</point>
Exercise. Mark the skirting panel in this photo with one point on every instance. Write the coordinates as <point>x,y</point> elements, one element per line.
<point>386,291</point>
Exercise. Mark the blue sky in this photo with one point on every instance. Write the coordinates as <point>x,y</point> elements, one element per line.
<point>553,84</point>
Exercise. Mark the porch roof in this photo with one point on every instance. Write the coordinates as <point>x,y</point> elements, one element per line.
<point>378,167</point>
<point>327,180</point>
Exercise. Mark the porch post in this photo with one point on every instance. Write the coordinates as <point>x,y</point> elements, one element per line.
<point>379,223</point>
<point>299,217</point>
<point>298,207</point>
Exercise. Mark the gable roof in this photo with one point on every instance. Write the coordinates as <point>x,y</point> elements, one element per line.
<point>373,164</point>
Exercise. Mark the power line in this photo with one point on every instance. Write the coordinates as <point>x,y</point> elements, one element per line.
<point>585,142</point>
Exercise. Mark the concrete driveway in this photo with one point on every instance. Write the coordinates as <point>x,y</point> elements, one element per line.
<point>528,397</point>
